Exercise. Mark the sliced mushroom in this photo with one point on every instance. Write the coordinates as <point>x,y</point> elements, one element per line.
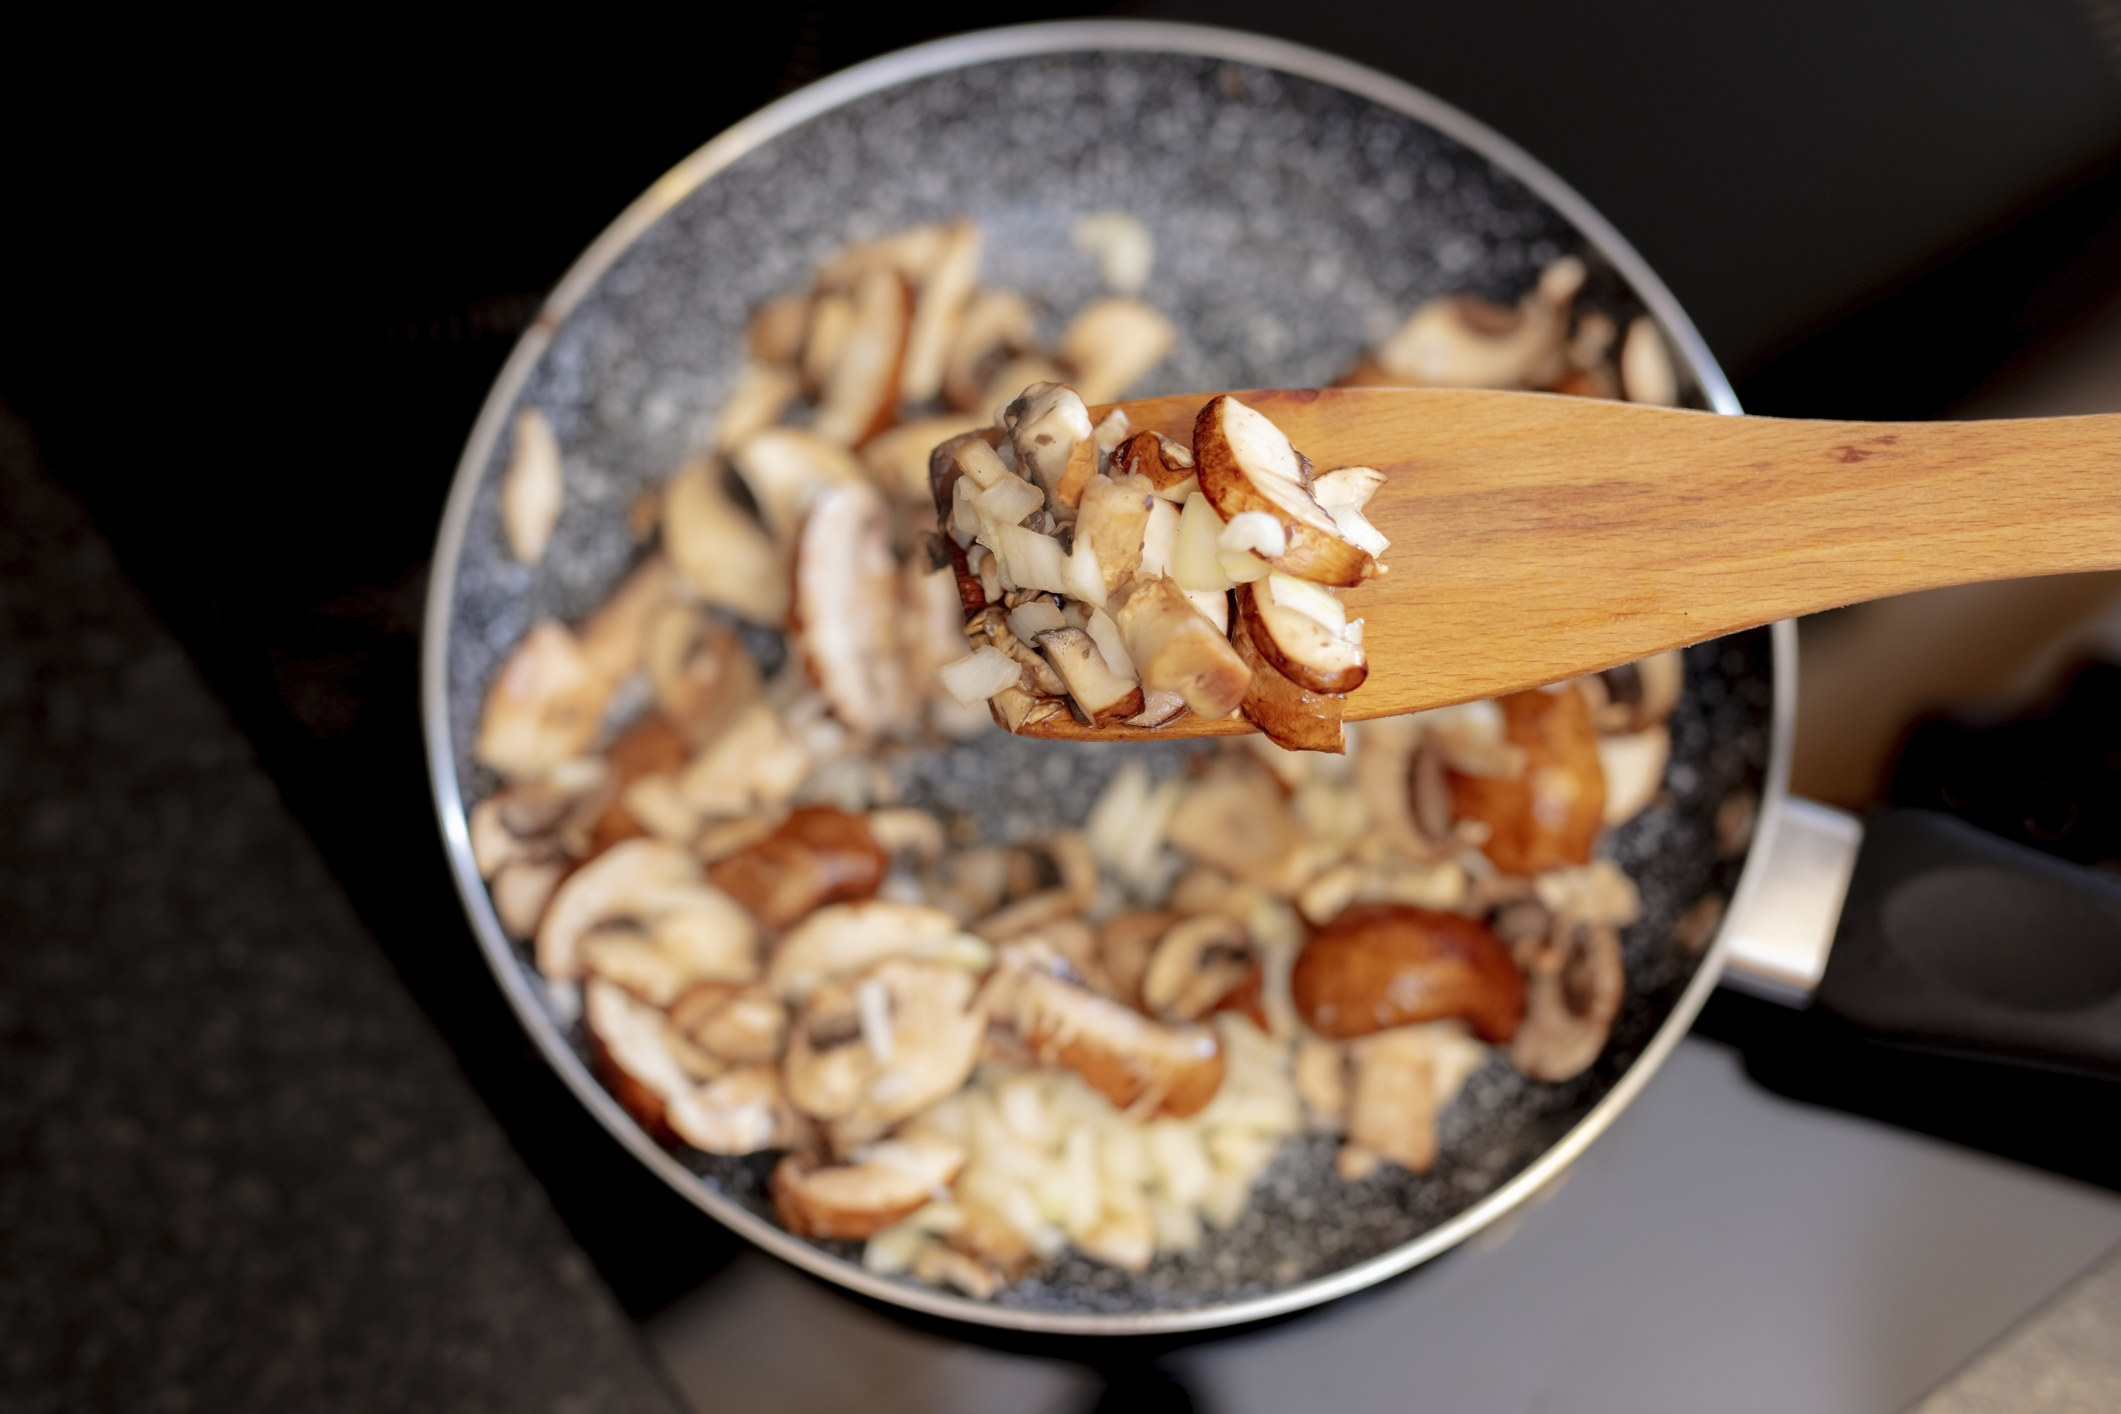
<point>544,706</point>
<point>897,460</point>
<point>1176,649</point>
<point>1111,430</point>
<point>1011,378</point>
<point>991,1239</point>
<point>1460,341</point>
<point>1196,965</point>
<point>753,764</point>
<point>887,1182</point>
<point>939,1265</point>
<point>825,338</point>
<point>995,325</point>
<point>1120,244</point>
<point>1310,653</point>
<point>1124,946</point>
<point>1144,1067</point>
<point>523,824</point>
<point>521,891</point>
<point>1382,762</point>
<point>1321,1075</point>
<point>1167,463</point>
<point>1102,696</point>
<point>911,253</point>
<point>762,393</point>
<point>860,396</point>
<point>1289,713</point>
<point>651,746</point>
<point>732,1023</point>
<point>841,940</point>
<point>1598,892</point>
<point>786,469</point>
<point>700,670</point>
<point>614,639</point>
<point>1158,707</point>
<point>739,1112</point>
<point>1403,1079</point>
<point>1113,516</point>
<point>531,488</point>
<point>1637,696</point>
<point>1574,984</point>
<point>1055,444</point>
<point>866,1052</point>
<point>945,285</point>
<point>722,552</point>
<point>1634,771</point>
<point>1350,486</point>
<point>778,329</point>
<point>1381,965</point>
<point>656,888</point>
<point>1246,464</point>
<point>1112,343</point>
<point>1235,820</point>
<point>846,593</point>
<point>1551,814</point>
<point>817,856</point>
<point>1646,371</point>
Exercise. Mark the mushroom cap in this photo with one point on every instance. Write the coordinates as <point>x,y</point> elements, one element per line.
<point>1380,965</point>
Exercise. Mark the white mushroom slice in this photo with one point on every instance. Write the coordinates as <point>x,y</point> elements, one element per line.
<point>1196,557</point>
<point>722,552</point>
<point>786,469</point>
<point>1159,539</point>
<point>860,396</point>
<point>1403,1078</point>
<point>544,707</point>
<point>1103,696</point>
<point>1574,984</point>
<point>520,824</point>
<point>735,1024</point>
<point>531,488</point>
<point>1195,965</point>
<point>1236,820</point>
<point>1050,429</point>
<point>981,674</point>
<point>865,1054</point>
<point>660,808</point>
<point>1112,343</point>
<point>911,253</point>
<point>521,891</point>
<point>831,323</point>
<point>888,1182</point>
<point>1349,486</point>
<point>1292,638</point>
<point>1158,707</point>
<point>945,285</point>
<point>994,326</point>
<point>1646,372</point>
<point>700,671</point>
<point>614,639</point>
<point>741,1112</point>
<point>1142,1066</point>
<point>846,591</point>
<point>1463,342</point>
<point>1175,649</point>
<point>841,940</point>
<point>1598,892</point>
<point>1012,378</point>
<point>897,460</point>
<point>657,886</point>
<point>762,393</point>
<point>778,329</point>
<point>1634,771</point>
<point>754,764</point>
<point>1113,519</point>
<point>1111,430</point>
<point>1120,244</point>
<point>1246,464</point>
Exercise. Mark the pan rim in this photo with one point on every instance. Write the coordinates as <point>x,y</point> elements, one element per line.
<point>784,114</point>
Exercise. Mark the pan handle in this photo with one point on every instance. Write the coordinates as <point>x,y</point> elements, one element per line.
<point>1923,931</point>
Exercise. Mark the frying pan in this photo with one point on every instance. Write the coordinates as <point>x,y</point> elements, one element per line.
<point>1301,204</point>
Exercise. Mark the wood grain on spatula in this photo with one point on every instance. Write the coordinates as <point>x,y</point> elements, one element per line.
<point>1537,538</point>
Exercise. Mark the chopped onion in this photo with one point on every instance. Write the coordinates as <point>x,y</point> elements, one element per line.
<point>1195,565</point>
<point>1084,577</point>
<point>1033,561</point>
<point>1009,500</point>
<point>1027,621</point>
<point>964,507</point>
<point>1247,543</point>
<point>1214,606</point>
<point>980,674</point>
<point>1159,540</point>
<point>1105,634</point>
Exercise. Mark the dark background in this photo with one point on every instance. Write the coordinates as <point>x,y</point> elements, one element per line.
<point>254,284</point>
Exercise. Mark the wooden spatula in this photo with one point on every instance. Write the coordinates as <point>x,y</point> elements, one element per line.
<point>1536,538</point>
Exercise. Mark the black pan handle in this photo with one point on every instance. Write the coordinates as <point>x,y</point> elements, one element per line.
<point>1954,940</point>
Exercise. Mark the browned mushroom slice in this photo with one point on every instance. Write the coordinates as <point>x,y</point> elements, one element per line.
<point>787,468</point>
<point>544,707</point>
<point>1291,715</point>
<point>817,856</point>
<point>1124,947</point>
<point>740,1112</point>
<point>1380,965</point>
<point>1574,987</point>
<point>846,594</point>
<point>1551,814</point>
<point>860,395</point>
<point>1145,1067</point>
<point>911,252</point>
<point>1247,464</point>
<point>1175,649</point>
<point>778,329</point>
<point>1054,441</point>
<point>841,940</point>
<point>1113,515</point>
<point>700,670</point>
<point>995,325</point>
<point>732,1023</point>
<point>1102,696</point>
<point>657,888</point>
<point>1301,645</point>
<point>889,1181</point>
<point>1168,465</point>
<point>531,488</point>
<point>1235,820</point>
<point>651,746</point>
<point>524,824</point>
<point>1461,341</point>
<point>1196,965</point>
<point>945,285</point>
<point>1112,343</point>
<point>762,393</point>
<point>869,1051</point>
<point>722,552</point>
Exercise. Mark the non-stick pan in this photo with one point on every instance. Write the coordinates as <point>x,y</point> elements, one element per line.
<point>1300,204</point>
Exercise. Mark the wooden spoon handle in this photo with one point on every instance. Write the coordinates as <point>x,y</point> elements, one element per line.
<point>1536,537</point>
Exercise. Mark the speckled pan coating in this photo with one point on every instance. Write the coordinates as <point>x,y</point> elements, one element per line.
<point>1295,222</point>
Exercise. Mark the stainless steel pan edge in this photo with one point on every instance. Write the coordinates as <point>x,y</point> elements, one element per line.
<point>787,113</point>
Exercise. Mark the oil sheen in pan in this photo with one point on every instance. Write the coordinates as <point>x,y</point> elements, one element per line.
<point>1294,220</point>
